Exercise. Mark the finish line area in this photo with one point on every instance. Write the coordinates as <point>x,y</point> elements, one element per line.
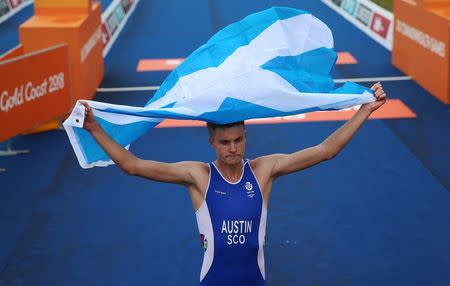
<point>377,214</point>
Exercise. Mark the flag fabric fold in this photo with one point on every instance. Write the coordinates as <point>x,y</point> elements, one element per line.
<point>273,63</point>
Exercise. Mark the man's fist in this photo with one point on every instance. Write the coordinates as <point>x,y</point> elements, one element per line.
<point>90,124</point>
<point>380,96</point>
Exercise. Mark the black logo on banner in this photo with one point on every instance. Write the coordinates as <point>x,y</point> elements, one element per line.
<point>337,2</point>
<point>4,7</point>
<point>364,14</point>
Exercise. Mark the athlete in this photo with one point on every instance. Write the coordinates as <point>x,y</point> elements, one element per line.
<point>231,194</point>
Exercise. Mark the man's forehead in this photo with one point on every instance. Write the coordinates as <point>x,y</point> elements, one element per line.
<point>230,133</point>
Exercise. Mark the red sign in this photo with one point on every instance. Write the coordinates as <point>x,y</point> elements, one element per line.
<point>380,25</point>
<point>105,35</point>
<point>15,3</point>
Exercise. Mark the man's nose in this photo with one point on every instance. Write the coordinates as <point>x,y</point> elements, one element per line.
<point>233,148</point>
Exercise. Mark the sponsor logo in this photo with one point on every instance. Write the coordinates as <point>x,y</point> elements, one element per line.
<point>15,3</point>
<point>410,2</point>
<point>337,2</point>
<point>105,35</point>
<point>4,7</point>
<point>249,188</point>
<point>120,14</point>
<point>364,14</point>
<point>219,192</point>
<point>349,6</point>
<point>428,42</point>
<point>29,92</point>
<point>203,242</point>
<point>91,43</point>
<point>380,25</point>
<point>126,4</point>
<point>112,23</point>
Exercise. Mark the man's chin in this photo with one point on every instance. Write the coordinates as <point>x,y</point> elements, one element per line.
<point>233,160</point>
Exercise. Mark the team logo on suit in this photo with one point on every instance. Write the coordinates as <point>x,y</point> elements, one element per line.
<point>249,188</point>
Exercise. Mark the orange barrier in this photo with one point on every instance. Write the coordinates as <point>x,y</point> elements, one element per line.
<point>393,109</point>
<point>421,43</point>
<point>15,52</point>
<point>65,6</point>
<point>77,23</point>
<point>146,65</point>
<point>32,96</point>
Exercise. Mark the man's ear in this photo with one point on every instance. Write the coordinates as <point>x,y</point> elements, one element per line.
<point>210,140</point>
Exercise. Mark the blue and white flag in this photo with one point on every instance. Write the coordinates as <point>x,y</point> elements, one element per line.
<point>273,63</point>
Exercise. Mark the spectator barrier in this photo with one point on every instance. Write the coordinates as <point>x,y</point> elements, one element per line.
<point>9,8</point>
<point>372,19</point>
<point>421,43</point>
<point>34,67</point>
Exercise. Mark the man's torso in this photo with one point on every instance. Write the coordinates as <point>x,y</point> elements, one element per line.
<point>232,223</point>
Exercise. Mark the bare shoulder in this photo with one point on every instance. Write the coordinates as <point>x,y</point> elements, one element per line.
<point>196,167</point>
<point>199,171</point>
<point>263,166</point>
<point>184,172</point>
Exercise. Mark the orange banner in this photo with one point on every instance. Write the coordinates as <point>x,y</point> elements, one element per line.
<point>146,65</point>
<point>393,109</point>
<point>34,89</point>
<point>421,43</point>
<point>81,32</point>
<point>69,6</point>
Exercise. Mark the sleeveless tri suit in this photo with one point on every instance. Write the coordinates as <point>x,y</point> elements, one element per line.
<point>232,226</point>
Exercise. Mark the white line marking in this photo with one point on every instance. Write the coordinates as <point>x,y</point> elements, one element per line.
<point>119,89</point>
<point>370,79</point>
<point>152,88</point>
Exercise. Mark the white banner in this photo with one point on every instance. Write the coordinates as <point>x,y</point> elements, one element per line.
<point>372,19</point>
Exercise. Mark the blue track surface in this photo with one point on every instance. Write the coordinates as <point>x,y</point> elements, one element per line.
<point>378,214</point>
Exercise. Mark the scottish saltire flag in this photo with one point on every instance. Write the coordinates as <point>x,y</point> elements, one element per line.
<point>273,63</point>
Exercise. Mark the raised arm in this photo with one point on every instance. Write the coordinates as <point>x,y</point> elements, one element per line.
<point>281,164</point>
<point>180,173</point>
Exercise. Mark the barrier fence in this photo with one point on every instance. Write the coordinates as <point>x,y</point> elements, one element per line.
<point>372,19</point>
<point>9,8</point>
<point>35,93</point>
<point>33,96</point>
<point>421,45</point>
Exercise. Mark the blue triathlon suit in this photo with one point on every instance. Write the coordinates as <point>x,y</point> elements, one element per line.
<point>232,225</point>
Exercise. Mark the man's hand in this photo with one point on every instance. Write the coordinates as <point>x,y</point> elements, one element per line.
<point>90,124</point>
<point>380,96</point>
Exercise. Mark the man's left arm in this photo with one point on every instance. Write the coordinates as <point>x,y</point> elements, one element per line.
<point>281,164</point>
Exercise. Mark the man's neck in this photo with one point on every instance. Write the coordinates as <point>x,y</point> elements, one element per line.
<point>231,172</point>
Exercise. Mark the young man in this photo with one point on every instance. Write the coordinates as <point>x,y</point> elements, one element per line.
<point>231,194</point>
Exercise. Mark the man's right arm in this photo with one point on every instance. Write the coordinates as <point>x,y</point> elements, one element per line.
<point>179,173</point>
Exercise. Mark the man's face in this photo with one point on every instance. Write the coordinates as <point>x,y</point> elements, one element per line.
<point>229,144</point>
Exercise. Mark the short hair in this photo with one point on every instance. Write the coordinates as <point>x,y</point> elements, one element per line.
<point>212,126</point>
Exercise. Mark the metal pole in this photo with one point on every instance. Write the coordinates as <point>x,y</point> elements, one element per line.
<point>11,152</point>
